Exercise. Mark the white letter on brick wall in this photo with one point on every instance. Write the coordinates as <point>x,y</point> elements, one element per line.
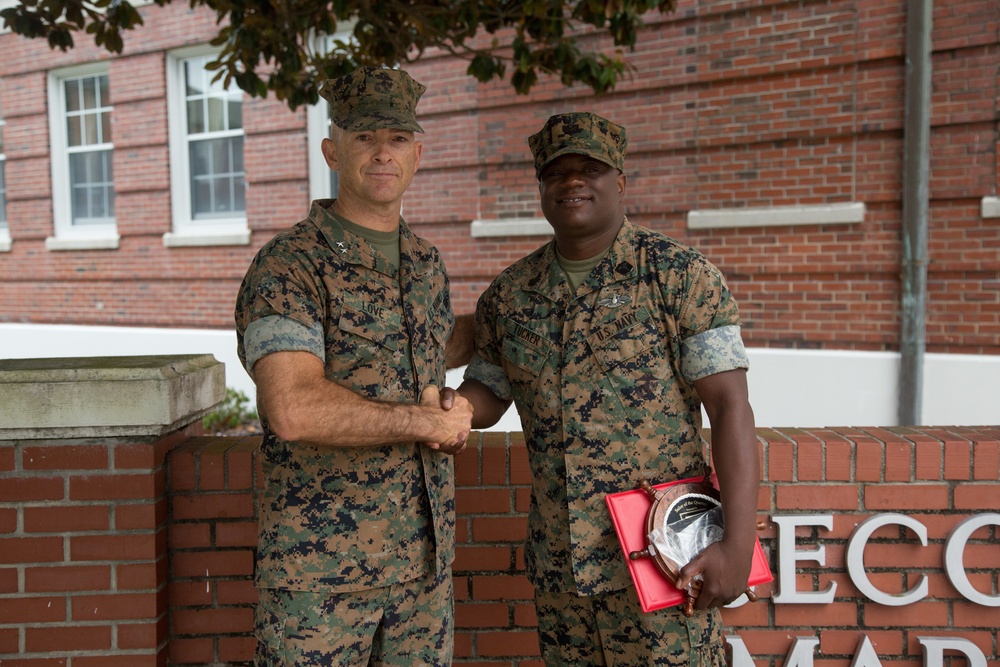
<point>788,557</point>
<point>934,648</point>
<point>801,653</point>
<point>864,655</point>
<point>856,559</point>
<point>954,565</point>
<point>741,656</point>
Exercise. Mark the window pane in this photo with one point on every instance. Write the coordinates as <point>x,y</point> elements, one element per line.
<point>3,195</point>
<point>201,153</point>
<point>236,113</point>
<point>103,95</point>
<point>216,115</point>
<point>105,128</point>
<point>91,187</point>
<point>196,116</point>
<point>74,133</point>
<point>222,162</point>
<point>201,198</point>
<point>89,130</point>
<point>217,189</point>
<point>72,88</point>
<point>89,92</point>
<point>194,77</point>
<point>239,194</point>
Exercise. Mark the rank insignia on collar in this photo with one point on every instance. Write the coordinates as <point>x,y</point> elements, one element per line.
<point>340,245</point>
<point>614,301</point>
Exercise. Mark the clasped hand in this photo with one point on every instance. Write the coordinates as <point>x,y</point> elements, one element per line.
<point>452,418</point>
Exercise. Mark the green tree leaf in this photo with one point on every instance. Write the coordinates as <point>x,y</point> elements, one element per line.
<point>269,46</point>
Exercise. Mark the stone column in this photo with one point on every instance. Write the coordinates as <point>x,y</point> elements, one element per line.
<point>83,506</point>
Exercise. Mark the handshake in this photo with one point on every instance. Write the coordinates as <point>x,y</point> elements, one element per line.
<point>449,419</point>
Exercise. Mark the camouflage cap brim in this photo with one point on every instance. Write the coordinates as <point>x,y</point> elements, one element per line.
<point>580,133</point>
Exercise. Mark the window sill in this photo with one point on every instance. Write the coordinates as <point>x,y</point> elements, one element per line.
<point>509,227</point>
<point>4,240</point>
<point>991,207</point>
<point>828,214</point>
<point>102,242</point>
<point>187,240</point>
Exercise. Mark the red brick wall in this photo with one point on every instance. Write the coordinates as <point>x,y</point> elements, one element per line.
<point>142,554</point>
<point>83,553</point>
<point>730,105</point>
<point>937,475</point>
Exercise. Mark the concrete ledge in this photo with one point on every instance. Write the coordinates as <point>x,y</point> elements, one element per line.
<point>778,215</point>
<point>107,241</point>
<point>102,397</point>
<point>517,227</point>
<point>990,207</point>
<point>235,237</point>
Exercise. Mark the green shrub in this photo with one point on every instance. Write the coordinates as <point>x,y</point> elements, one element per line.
<point>234,411</point>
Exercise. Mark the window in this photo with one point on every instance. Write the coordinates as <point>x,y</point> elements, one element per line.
<point>83,188</point>
<point>208,185</point>
<point>322,179</point>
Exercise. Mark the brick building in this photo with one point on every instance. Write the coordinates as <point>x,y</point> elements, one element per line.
<point>769,134</point>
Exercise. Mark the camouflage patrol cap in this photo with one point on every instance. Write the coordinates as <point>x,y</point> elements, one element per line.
<point>373,98</point>
<point>584,133</point>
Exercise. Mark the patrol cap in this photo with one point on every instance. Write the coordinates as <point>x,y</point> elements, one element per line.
<point>584,133</point>
<point>374,98</point>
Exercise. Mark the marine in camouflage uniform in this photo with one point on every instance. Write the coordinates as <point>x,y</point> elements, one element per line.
<point>603,375</point>
<point>355,543</point>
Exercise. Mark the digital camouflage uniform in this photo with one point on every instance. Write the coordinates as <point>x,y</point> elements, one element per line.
<point>603,383</point>
<point>359,521</point>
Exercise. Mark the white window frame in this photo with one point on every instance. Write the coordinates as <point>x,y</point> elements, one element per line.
<point>186,231</point>
<point>5,222</point>
<point>67,236</point>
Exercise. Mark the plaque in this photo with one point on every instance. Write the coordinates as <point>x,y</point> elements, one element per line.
<point>667,525</point>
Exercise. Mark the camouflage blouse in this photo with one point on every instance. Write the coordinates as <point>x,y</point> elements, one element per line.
<point>346,519</point>
<point>602,380</point>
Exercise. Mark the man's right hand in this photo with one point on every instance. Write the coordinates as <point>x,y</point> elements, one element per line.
<point>452,416</point>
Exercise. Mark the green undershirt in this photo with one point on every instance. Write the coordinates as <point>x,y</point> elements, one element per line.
<point>577,270</point>
<point>386,242</point>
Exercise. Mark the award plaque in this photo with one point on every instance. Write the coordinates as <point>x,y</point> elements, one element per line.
<point>675,523</point>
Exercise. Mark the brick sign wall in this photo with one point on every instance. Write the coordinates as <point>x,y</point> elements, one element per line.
<point>136,555</point>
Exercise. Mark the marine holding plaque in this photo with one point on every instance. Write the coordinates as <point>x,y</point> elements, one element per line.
<point>609,339</point>
<point>681,521</point>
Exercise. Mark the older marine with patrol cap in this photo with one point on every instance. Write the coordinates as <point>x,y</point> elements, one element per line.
<point>342,321</point>
<point>609,339</point>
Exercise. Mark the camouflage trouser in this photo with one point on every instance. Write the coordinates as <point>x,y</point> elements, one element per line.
<point>611,629</point>
<point>397,626</point>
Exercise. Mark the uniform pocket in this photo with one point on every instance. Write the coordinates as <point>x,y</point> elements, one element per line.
<point>624,339</point>
<point>529,358</point>
<point>383,328</point>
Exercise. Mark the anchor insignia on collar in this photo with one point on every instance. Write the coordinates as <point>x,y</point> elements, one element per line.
<point>614,301</point>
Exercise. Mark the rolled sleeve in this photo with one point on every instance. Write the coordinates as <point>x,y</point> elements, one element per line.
<point>490,375</point>
<point>713,351</point>
<point>281,334</point>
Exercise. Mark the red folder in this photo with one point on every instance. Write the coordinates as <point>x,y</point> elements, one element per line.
<point>628,513</point>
